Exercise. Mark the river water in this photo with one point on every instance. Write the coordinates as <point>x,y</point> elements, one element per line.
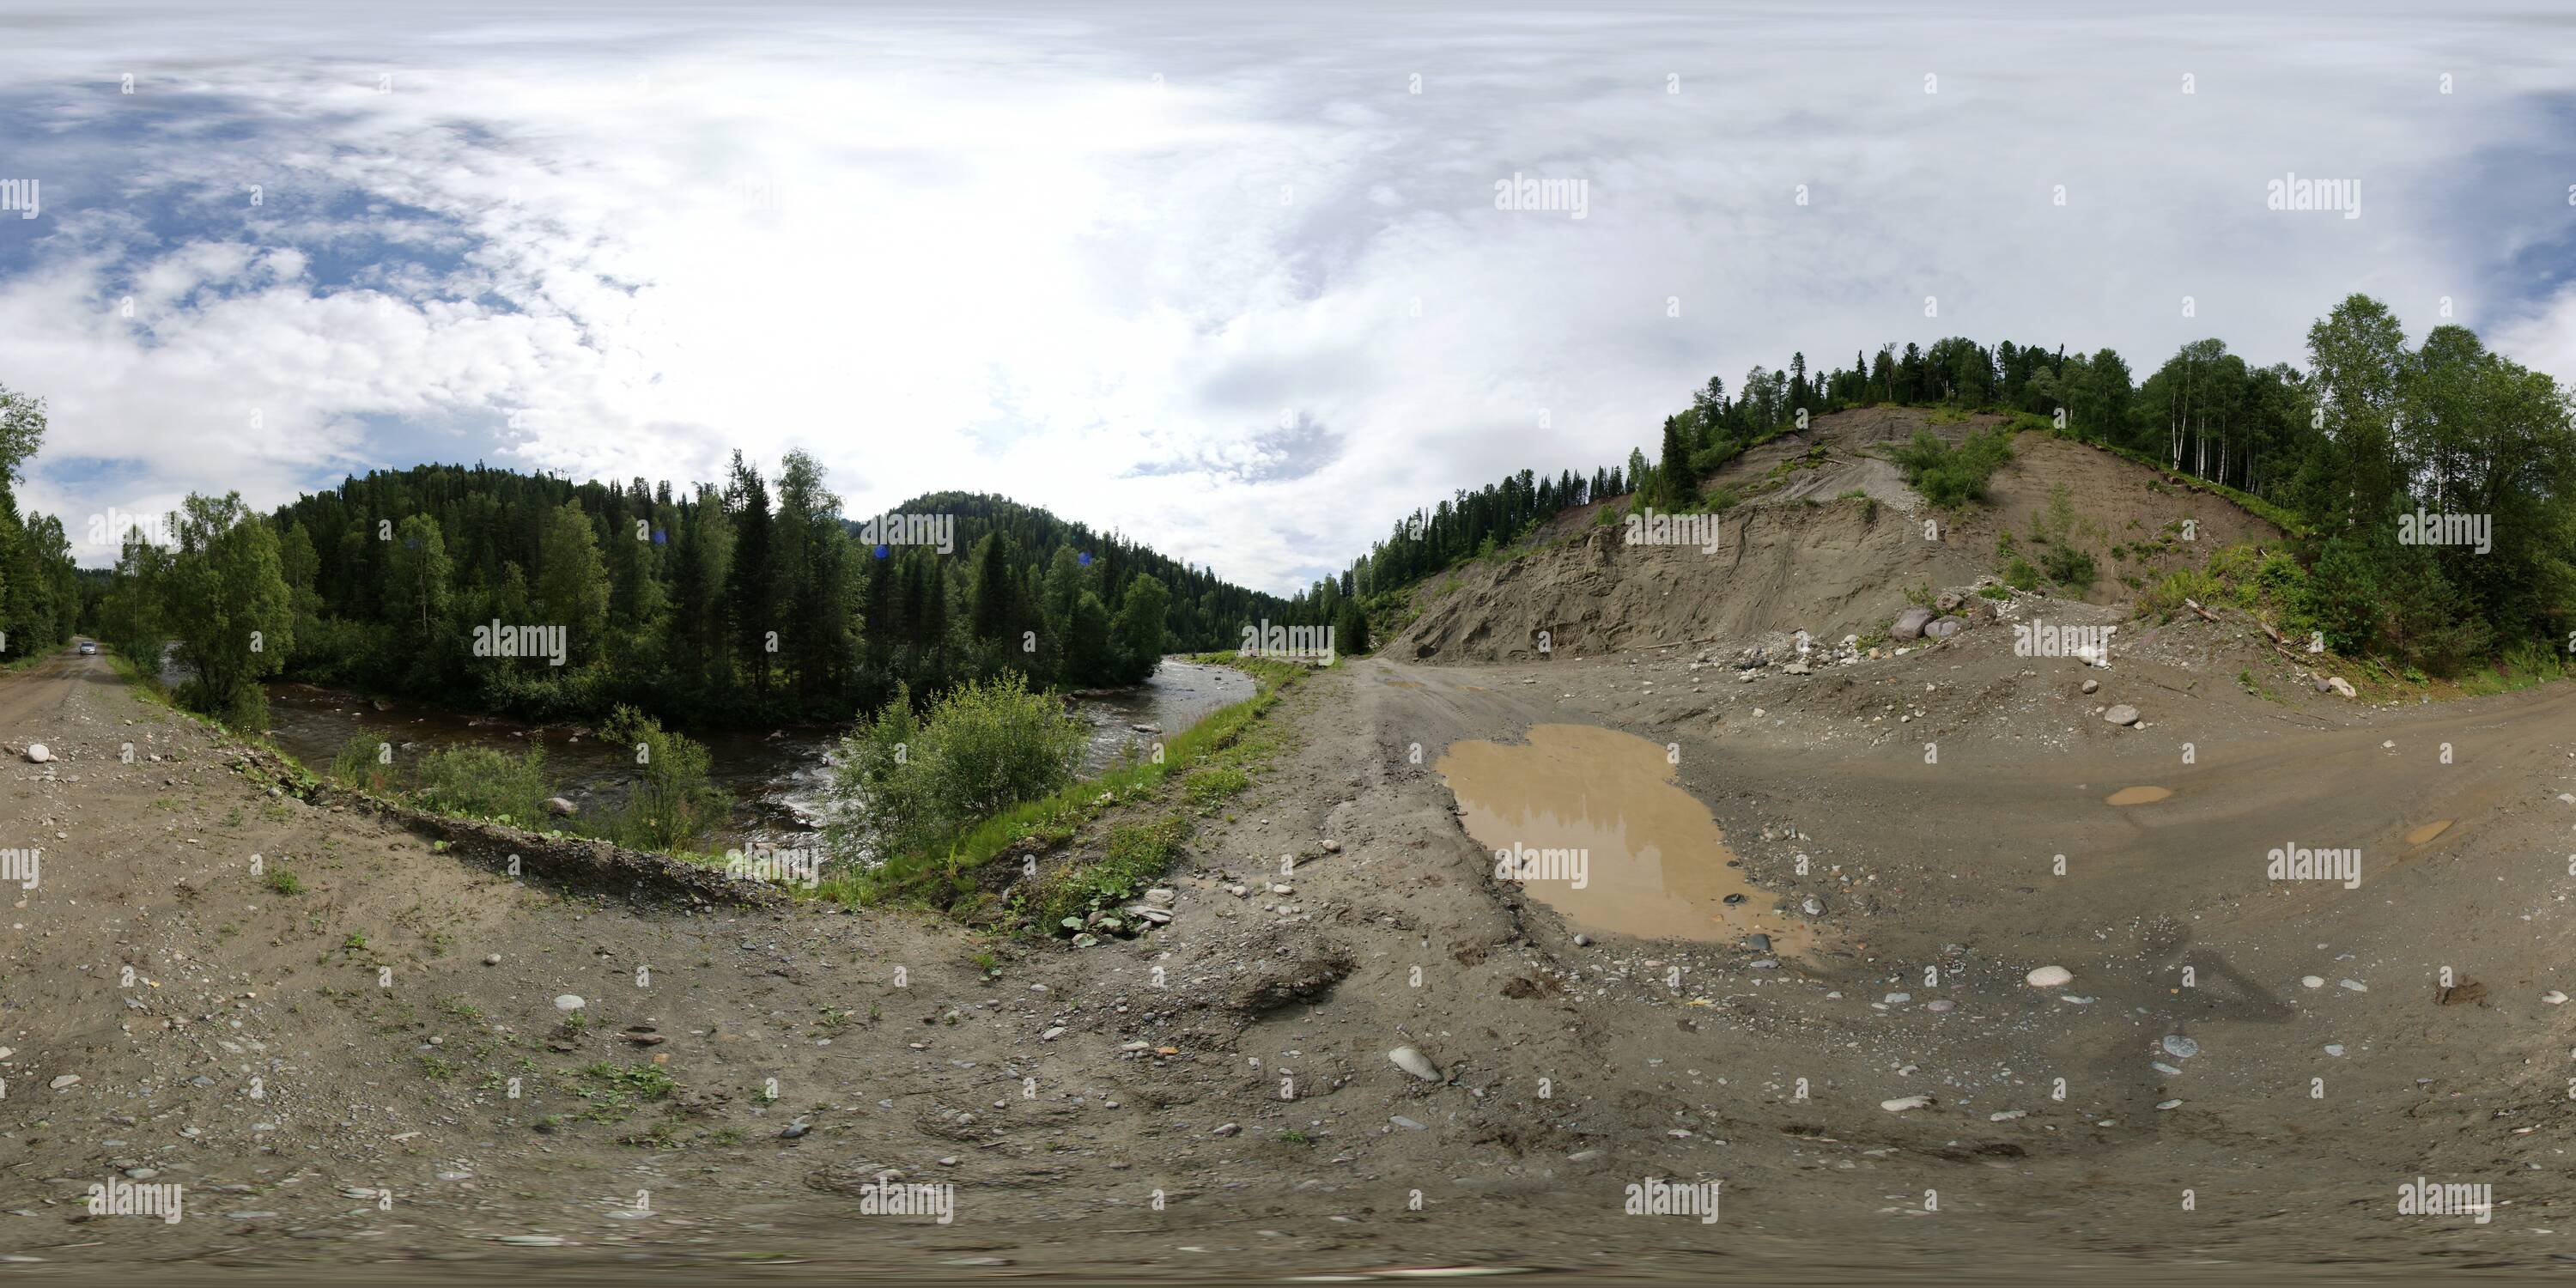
<point>779,779</point>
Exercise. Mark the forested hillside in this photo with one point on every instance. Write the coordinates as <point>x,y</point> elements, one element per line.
<point>2357,451</point>
<point>754,600</point>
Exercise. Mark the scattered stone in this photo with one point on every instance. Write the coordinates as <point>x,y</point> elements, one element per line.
<point>1942,628</point>
<point>2092,685</point>
<point>1910,623</point>
<point>2554,997</point>
<point>2355,985</point>
<point>2121,714</point>
<point>796,1130</point>
<point>1228,1129</point>
<point>559,807</point>
<point>569,1002</point>
<point>2180,1047</point>
<point>1901,1104</point>
<point>2168,1104</point>
<point>491,959</point>
<point>2340,685</point>
<point>66,1080</point>
<point>2050,977</point>
<point>2312,981</point>
<point>2007,1115</point>
<point>1583,941</point>
<point>37,753</point>
<point>1405,1123</point>
<point>1414,1062</point>
<point>1940,1006</point>
<point>2334,1048</point>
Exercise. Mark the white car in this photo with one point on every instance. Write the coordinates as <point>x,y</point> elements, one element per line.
<point>88,647</point>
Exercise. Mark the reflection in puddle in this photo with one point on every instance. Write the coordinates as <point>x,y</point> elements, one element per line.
<point>2137,795</point>
<point>2428,831</point>
<point>1653,863</point>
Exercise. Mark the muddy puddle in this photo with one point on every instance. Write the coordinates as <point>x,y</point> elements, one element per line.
<point>1601,833</point>
<point>2137,795</point>
<point>2428,831</point>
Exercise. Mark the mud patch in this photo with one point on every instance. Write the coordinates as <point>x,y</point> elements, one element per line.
<point>1608,839</point>
<point>2137,795</point>
<point>2428,831</point>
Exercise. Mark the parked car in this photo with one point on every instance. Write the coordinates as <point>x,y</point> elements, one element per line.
<point>88,647</point>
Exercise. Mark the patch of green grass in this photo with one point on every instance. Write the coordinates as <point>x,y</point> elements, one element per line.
<point>282,881</point>
<point>1133,857</point>
<point>615,1091</point>
<point>1209,784</point>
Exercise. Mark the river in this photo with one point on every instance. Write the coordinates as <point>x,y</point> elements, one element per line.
<point>779,780</point>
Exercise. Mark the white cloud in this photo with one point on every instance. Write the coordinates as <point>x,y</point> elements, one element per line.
<point>996,255</point>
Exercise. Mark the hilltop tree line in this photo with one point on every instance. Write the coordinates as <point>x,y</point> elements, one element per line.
<point>750,601</point>
<point>2371,430</point>
<point>40,595</point>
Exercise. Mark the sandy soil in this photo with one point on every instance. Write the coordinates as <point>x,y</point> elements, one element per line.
<point>1236,1064</point>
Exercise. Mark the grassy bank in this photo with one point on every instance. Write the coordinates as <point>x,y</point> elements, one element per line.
<point>1200,766</point>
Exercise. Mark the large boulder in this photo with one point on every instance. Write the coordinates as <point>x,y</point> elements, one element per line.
<point>1910,623</point>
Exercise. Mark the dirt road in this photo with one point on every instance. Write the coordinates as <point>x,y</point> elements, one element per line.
<point>328,1063</point>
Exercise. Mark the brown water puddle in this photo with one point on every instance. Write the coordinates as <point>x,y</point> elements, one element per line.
<point>2137,795</point>
<point>1652,861</point>
<point>2428,831</point>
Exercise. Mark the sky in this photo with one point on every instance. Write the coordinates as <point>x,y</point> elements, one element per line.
<point>1235,282</point>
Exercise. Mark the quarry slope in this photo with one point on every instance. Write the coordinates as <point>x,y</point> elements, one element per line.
<point>1803,553</point>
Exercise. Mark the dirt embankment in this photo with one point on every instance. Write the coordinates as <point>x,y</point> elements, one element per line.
<point>1828,539</point>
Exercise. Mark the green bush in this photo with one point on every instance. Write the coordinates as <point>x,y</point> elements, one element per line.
<point>1948,476</point>
<point>360,767</point>
<point>2019,575</point>
<point>482,782</point>
<point>984,746</point>
<point>2068,567</point>
<point>676,803</point>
